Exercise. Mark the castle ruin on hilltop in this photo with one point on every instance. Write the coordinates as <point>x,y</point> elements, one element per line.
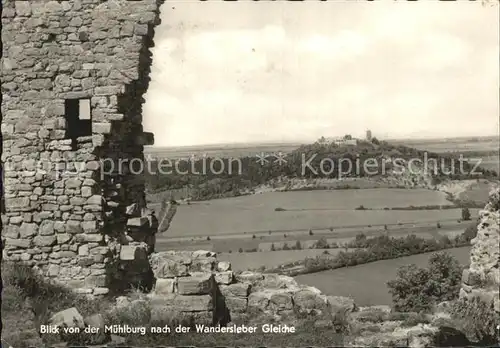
<point>73,77</point>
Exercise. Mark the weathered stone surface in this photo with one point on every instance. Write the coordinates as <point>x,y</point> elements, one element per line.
<point>236,304</point>
<point>165,286</point>
<point>129,252</point>
<point>69,317</point>
<point>223,266</point>
<point>182,303</point>
<point>309,301</point>
<point>241,290</point>
<point>194,285</point>
<point>482,278</point>
<point>224,277</point>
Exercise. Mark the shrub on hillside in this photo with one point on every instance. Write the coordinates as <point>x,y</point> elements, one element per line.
<point>465,214</point>
<point>298,246</point>
<point>477,319</point>
<point>321,244</point>
<point>419,289</point>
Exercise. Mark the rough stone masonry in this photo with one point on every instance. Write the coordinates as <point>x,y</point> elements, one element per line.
<point>482,278</point>
<point>73,76</point>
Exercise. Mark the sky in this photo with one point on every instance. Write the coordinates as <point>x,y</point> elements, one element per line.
<point>247,72</point>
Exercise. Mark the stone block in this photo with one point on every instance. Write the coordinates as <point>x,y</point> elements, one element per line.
<point>183,303</point>
<point>165,286</point>
<point>194,285</point>
<point>69,317</point>
<point>280,301</point>
<point>223,266</point>
<point>130,252</point>
<point>236,304</point>
<point>169,269</point>
<point>241,290</point>
<point>247,276</point>
<point>203,264</point>
<point>224,277</point>
<point>138,222</point>
<point>17,203</point>
<point>44,240</point>
<point>470,277</point>
<point>100,291</point>
<point>307,301</point>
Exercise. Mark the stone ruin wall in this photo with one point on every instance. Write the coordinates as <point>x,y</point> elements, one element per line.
<point>482,278</point>
<point>196,286</point>
<point>67,210</point>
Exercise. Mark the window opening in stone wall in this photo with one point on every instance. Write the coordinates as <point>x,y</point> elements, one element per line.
<point>78,119</point>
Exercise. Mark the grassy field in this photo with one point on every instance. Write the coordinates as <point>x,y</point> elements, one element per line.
<point>367,283</point>
<point>306,210</point>
<point>246,261</point>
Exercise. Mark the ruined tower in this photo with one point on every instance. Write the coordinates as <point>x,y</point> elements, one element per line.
<point>73,78</point>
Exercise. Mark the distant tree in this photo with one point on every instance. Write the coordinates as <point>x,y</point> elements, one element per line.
<point>273,248</point>
<point>311,232</point>
<point>322,243</point>
<point>375,141</point>
<point>286,247</point>
<point>465,214</point>
<point>253,237</point>
<point>284,235</point>
<point>240,250</point>
<point>230,251</point>
<point>419,289</point>
<point>269,232</point>
<point>331,229</point>
<point>298,246</point>
<point>385,228</point>
<point>438,225</point>
<point>470,232</point>
<point>208,237</point>
<point>348,137</point>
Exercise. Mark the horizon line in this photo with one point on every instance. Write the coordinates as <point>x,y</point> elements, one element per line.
<point>308,141</point>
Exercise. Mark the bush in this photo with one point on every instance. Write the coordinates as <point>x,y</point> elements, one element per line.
<point>361,207</point>
<point>279,209</point>
<point>470,232</point>
<point>286,247</point>
<point>298,246</point>
<point>465,214</point>
<point>253,237</point>
<point>311,232</point>
<point>419,289</point>
<point>208,238</point>
<point>240,250</point>
<point>321,243</point>
<point>273,247</point>
<point>477,319</point>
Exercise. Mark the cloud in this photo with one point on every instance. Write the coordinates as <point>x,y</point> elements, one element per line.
<point>292,75</point>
